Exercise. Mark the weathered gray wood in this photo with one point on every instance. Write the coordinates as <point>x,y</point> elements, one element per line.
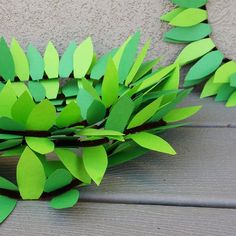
<point>118,219</point>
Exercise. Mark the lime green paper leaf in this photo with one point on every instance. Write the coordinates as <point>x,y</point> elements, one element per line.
<point>19,88</point>
<point>224,93</point>
<point>189,17</point>
<point>88,86</point>
<point>30,175</point>
<point>66,61</point>
<point>181,114</point>
<point>51,61</point>
<point>58,179</point>
<point>7,205</point>
<point>7,67</point>
<point>223,74</point>
<point>69,115</point>
<point>42,117</point>
<point>233,80</point>
<point>98,132</point>
<point>95,162</point>
<point>110,85</point>
<point>172,14</point>
<point>232,100</point>
<point>37,90</point>
<point>20,61</point>
<point>24,103</point>
<point>210,88</point>
<point>195,50</point>
<point>40,145</point>
<point>65,200</point>
<point>7,184</point>
<point>82,59</point>
<point>145,114</point>
<point>120,114</point>
<point>7,100</point>
<point>36,63</point>
<point>51,87</point>
<point>190,3</point>
<point>152,142</point>
<point>73,163</point>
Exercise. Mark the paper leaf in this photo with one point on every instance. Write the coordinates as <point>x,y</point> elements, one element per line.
<point>110,85</point>
<point>194,51</point>
<point>88,86</point>
<point>232,100</point>
<point>96,112</point>
<point>210,88</point>
<point>190,3</point>
<point>20,61</point>
<point>37,90</point>
<point>205,66</point>
<point>224,93</point>
<point>98,132</point>
<point>73,163</point>
<point>30,175</point>
<point>223,74</point>
<point>51,61</point>
<point>51,87</point>
<point>69,115</point>
<point>19,88</point>
<point>70,88</point>
<point>95,162</point>
<point>7,67</point>
<point>9,124</point>
<point>24,103</point>
<point>65,200</point>
<point>152,142</point>
<point>189,17</point>
<point>40,145</point>
<point>7,205</point>
<point>58,179</point>
<point>7,184</point>
<point>36,63</point>
<point>66,61</point>
<point>10,144</point>
<point>172,14</point>
<point>17,151</point>
<point>42,117</point>
<point>145,114</point>
<point>120,114</point>
<point>233,80</point>
<point>82,58</point>
<point>181,114</point>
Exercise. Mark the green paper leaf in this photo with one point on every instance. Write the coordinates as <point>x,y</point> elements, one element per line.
<point>223,74</point>
<point>190,3</point>
<point>7,67</point>
<point>110,85</point>
<point>65,200</point>
<point>42,117</point>
<point>10,144</point>
<point>232,100</point>
<point>189,17</point>
<point>17,151</point>
<point>233,80</point>
<point>51,87</point>
<point>58,179</point>
<point>30,175</point>
<point>210,88</point>
<point>19,88</point>
<point>152,142</point>
<point>7,205</point>
<point>51,61</point>
<point>73,163</point>
<point>70,88</point>
<point>172,14</point>
<point>84,100</point>
<point>20,61</point>
<point>9,124</point>
<point>179,114</point>
<point>40,145</point>
<point>36,63</point>
<point>96,112</point>
<point>194,51</point>
<point>88,86</point>
<point>120,114</point>
<point>66,61</point>
<point>7,184</point>
<point>98,132</point>
<point>224,93</point>
<point>95,162</point>
<point>24,103</point>
<point>82,59</point>
<point>37,90</point>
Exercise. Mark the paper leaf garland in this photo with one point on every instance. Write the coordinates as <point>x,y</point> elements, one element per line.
<point>105,112</point>
<point>210,65</point>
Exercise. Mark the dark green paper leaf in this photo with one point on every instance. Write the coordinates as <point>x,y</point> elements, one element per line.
<point>7,205</point>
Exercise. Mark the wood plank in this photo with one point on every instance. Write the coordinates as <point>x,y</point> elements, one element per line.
<point>34,218</point>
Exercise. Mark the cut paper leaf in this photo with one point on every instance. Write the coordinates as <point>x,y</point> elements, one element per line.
<point>51,88</point>
<point>65,200</point>
<point>20,61</point>
<point>19,88</point>
<point>210,88</point>
<point>95,162</point>
<point>58,179</point>
<point>70,88</point>
<point>37,90</point>
<point>7,205</point>
<point>9,124</point>
<point>98,132</point>
<point>232,100</point>
<point>30,175</point>
<point>190,3</point>
<point>7,67</point>
<point>88,86</point>
<point>181,114</point>
<point>82,58</point>
<point>36,63</point>
<point>172,14</point>
<point>42,117</point>
<point>7,184</point>
<point>233,80</point>
<point>96,112</point>
<point>73,163</point>
<point>51,61</point>
<point>152,142</point>
<point>10,144</point>
<point>40,145</point>
<point>223,74</point>
<point>189,17</point>
<point>224,93</point>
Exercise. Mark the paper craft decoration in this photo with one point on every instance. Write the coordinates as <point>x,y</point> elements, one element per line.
<point>208,65</point>
<point>68,119</point>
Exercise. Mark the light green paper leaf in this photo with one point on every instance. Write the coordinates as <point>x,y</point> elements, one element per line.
<point>210,88</point>
<point>152,142</point>
<point>95,162</point>
<point>172,14</point>
<point>223,74</point>
<point>88,86</point>
<point>98,132</point>
<point>7,184</point>
<point>7,205</point>
<point>232,100</point>
<point>40,145</point>
<point>19,88</point>
<point>51,87</point>
<point>30,175</point>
